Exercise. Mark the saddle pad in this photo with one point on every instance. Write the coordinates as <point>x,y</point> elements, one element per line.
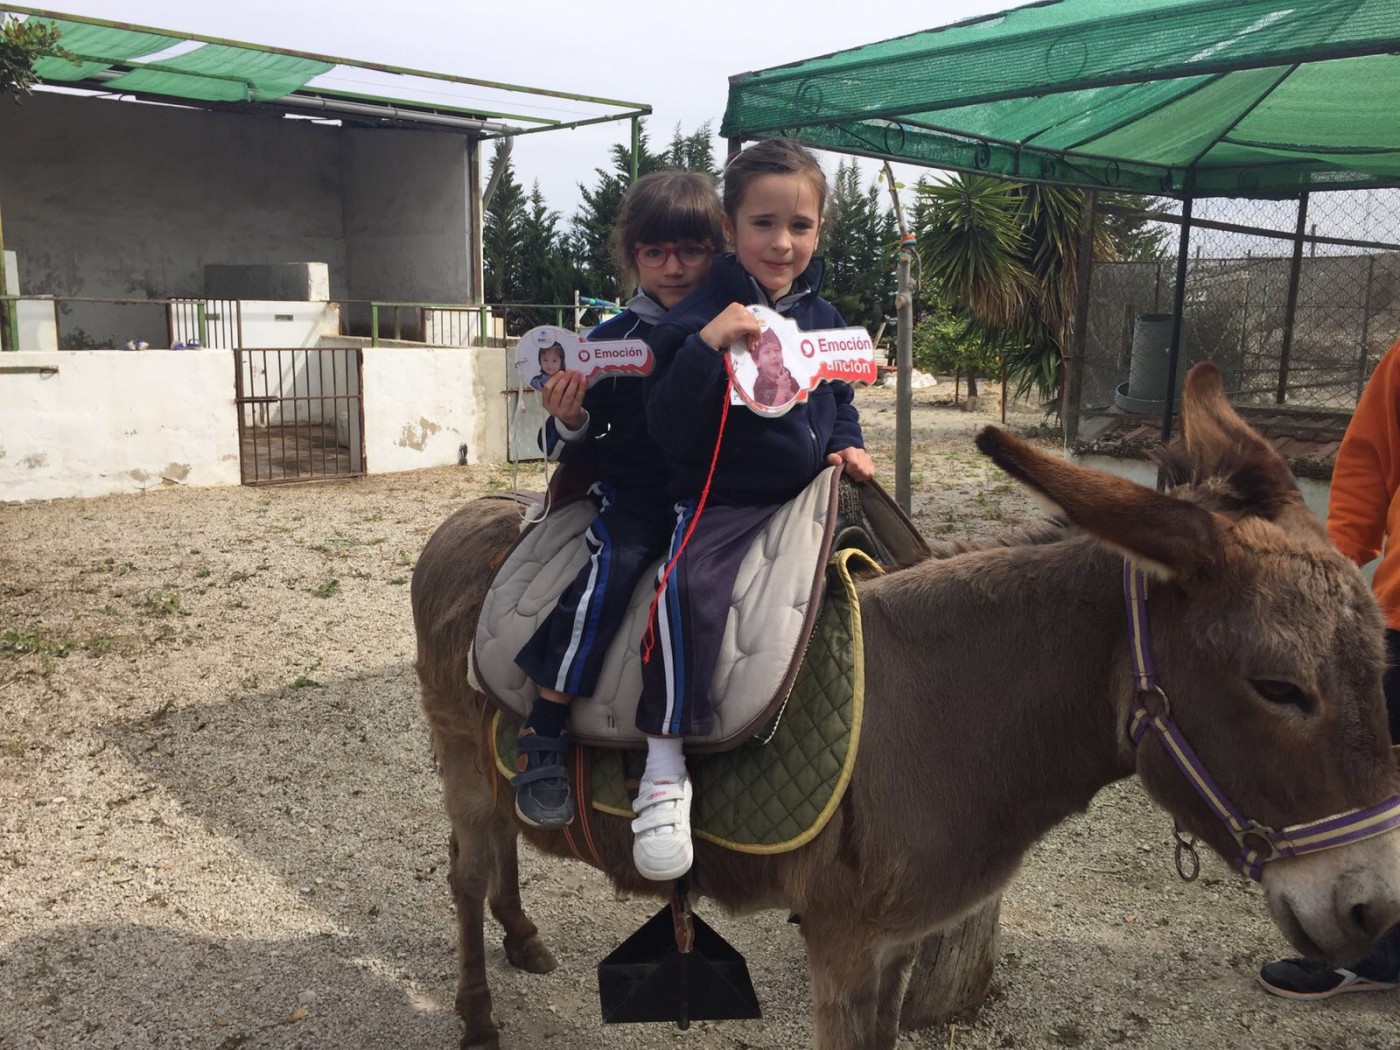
<point>775,601</point>
<point>777,797</point>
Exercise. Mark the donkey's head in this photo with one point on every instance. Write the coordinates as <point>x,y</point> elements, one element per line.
<point>1269,655</point>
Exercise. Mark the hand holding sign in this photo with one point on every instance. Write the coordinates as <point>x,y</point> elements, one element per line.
<point>544,352</point>
<point>786,362</point>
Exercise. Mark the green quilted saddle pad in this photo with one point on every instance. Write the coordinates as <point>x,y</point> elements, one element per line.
<point>776,796</point>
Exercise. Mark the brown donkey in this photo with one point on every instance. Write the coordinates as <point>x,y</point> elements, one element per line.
<point>1266,641</point>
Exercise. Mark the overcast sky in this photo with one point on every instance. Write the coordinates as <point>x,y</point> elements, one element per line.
<point>677,62</point>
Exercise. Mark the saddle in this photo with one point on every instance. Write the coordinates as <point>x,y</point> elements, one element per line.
<point>752,799</point>
<point>775,604</point>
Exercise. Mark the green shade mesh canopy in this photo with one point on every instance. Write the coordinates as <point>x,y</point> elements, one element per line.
<point>159,64</point>
<point>209,72</point>
<point>1241,98</point>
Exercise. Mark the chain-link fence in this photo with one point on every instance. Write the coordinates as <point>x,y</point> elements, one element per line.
<point>1240,283</point>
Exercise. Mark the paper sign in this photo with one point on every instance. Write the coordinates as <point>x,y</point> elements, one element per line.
<point>787,363</point>
<point>545,351</point>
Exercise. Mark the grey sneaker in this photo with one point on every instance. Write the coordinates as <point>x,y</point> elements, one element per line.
<point>542,796</point>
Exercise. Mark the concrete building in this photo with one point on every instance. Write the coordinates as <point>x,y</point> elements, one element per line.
<point>171,191</point>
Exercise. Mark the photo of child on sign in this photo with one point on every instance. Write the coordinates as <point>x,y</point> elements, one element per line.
<point>551,360</point>
<point>786,362</point>
<point>544,352</point>
<point>775,385</point>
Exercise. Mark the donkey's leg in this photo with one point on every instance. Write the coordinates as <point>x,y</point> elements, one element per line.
<point>895,968</point>
<point>478,824</point>
<point>524,948</point>
<point>844,961</point>
<point>468,878</point>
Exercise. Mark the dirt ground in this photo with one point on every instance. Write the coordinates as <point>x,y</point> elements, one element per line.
<point>220,826</point>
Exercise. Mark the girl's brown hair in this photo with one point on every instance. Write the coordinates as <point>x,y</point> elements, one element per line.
<point>770,157</point>
<point>666,206</point>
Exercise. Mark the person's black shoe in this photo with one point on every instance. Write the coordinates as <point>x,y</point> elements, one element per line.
<point>542,796</point>
<point>1307,979</point>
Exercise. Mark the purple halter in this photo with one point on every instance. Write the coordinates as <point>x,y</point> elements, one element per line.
<point>1258,843</point>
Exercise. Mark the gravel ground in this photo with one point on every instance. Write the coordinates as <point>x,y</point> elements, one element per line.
<point>220,827</point>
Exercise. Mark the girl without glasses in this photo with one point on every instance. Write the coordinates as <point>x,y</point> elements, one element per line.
<point>667,230</point>
<point>774,193</point>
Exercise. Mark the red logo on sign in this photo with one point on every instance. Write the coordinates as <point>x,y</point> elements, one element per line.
<point>584,355</point>
<point>808,350</point>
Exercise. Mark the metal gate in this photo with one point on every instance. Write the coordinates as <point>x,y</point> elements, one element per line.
<point>300,414</point>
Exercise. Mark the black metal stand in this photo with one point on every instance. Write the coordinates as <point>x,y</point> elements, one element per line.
<point>675,968</point>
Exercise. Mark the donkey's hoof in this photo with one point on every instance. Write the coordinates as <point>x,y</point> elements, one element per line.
<point>490,1039</point>
<point>530,955</point>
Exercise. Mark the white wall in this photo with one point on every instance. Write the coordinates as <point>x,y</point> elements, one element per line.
<point>112,421</point>
<point>419,407</point>
<point>287,325</point>
<point>117,421</point>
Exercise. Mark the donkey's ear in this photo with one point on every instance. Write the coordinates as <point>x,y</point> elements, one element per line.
<point>1167,536</point>
<point>1219,444</point>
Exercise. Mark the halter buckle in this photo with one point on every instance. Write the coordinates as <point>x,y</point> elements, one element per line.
<point>1149,690</point>
<point>1258,839</point>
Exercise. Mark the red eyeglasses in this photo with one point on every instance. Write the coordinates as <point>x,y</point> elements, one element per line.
<point>654,256</point>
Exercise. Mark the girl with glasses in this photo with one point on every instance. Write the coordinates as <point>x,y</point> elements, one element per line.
<point>667,230</point>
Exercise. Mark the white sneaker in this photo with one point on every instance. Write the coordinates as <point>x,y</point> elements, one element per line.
<point>662,849</point>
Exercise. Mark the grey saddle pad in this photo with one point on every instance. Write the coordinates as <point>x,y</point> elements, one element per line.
<point>776,599</point>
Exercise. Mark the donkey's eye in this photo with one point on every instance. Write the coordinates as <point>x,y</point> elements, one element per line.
<point>1279,692</point>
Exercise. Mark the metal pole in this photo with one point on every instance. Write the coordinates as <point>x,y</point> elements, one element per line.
<point>1183,250</point>
<point>636,144</point>
<point>476,224</point>
<point>373,324</point>
<point>1074,362</point>
<point>9,340</point>
<point>1365,327</point>
<point>1295,272</point>
<point>904,387</point>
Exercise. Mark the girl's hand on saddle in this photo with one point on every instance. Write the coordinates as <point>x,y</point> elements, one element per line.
<point>562,398</point>
<point>859,466</point>
<point>733,324</point>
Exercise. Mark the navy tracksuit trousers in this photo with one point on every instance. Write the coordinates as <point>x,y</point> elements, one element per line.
<point>566,651</point>
<point>691,615</point>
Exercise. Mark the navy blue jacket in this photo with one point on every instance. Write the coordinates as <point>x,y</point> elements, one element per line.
<point>762,459</point>
<point>617,441</point>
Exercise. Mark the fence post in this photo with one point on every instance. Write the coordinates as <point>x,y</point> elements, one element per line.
<point>1365,328</point>
<point>202,323</point>
<point>1290,310</point>
<point>904,393</point>
<point>1074,362</point>
<point>373,324</point>
<point>1183,255</point>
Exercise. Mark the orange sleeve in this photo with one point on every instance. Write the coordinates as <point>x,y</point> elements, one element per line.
<point>1367,470</point>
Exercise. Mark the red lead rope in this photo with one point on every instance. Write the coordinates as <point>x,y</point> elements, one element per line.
<point>649,636</point>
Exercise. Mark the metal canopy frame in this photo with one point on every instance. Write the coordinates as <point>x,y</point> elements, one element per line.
<point>803,100</point>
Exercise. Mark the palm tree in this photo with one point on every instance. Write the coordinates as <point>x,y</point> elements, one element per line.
<point>1001,255</point>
